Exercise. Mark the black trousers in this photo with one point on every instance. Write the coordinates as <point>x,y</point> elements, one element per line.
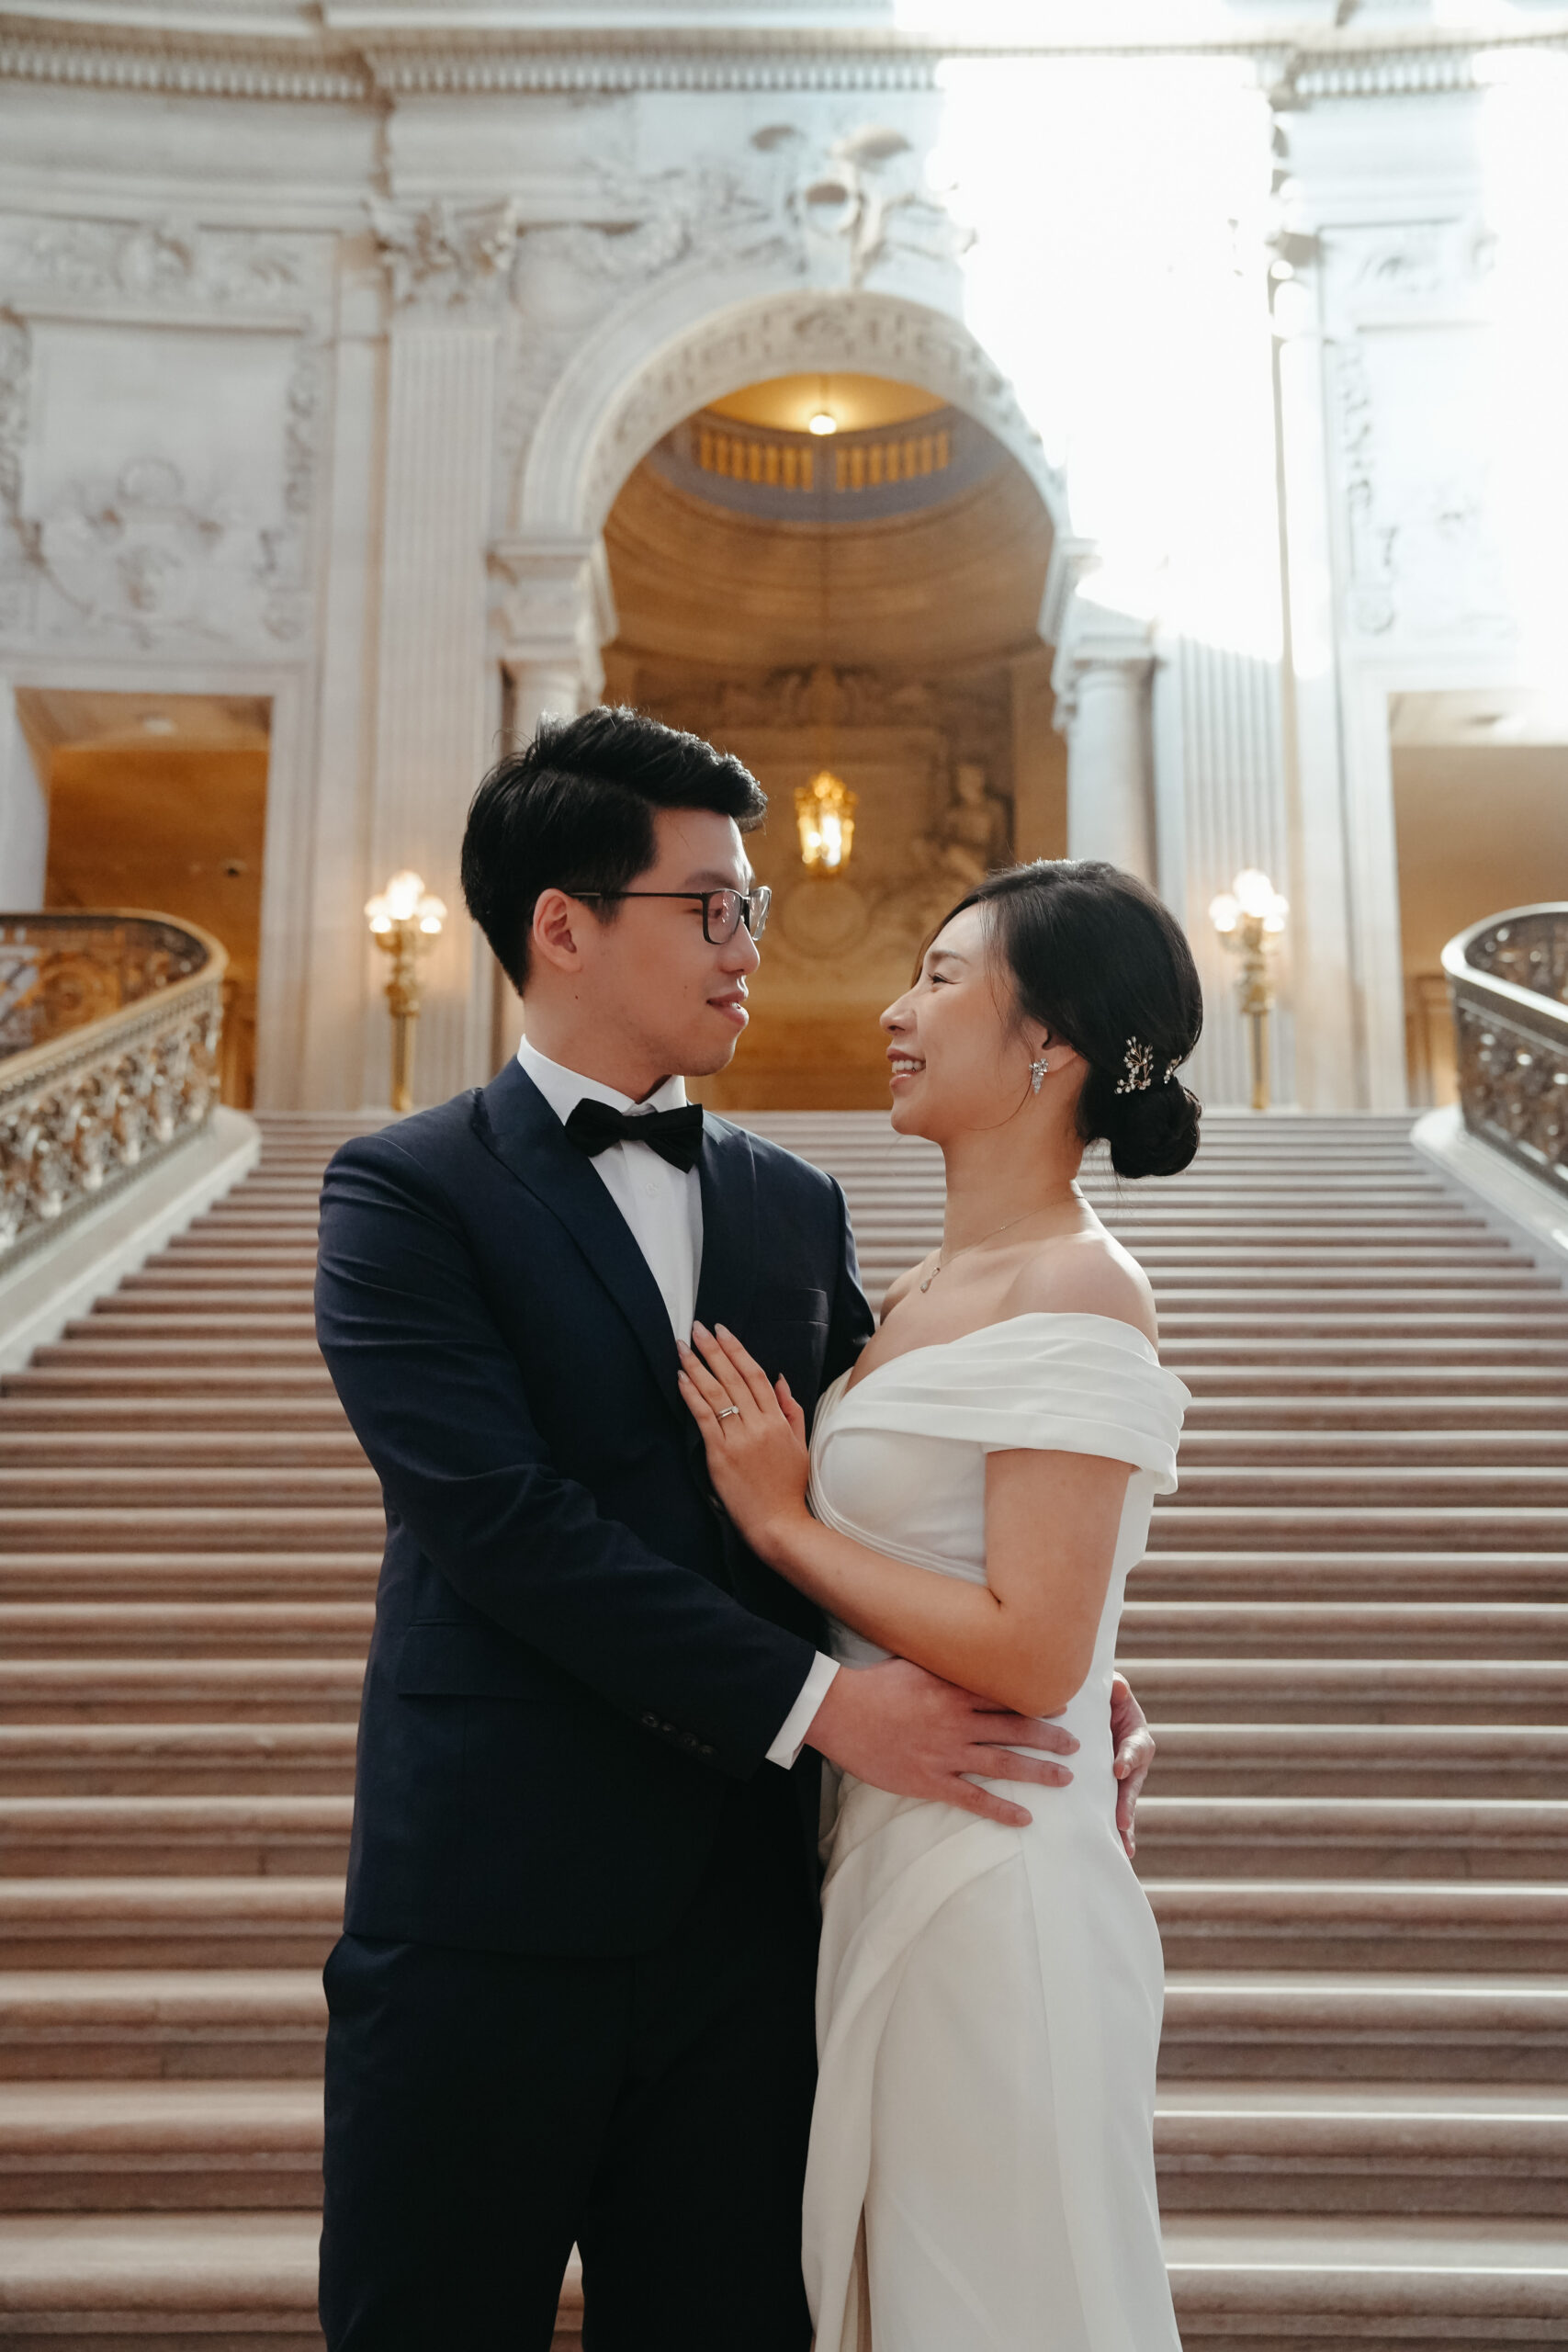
<point>485,2110</point>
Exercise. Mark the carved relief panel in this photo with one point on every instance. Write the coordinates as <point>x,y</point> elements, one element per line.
<point>160,398</point>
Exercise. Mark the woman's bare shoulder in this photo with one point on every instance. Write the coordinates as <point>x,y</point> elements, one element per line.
<point>1086,1273</point>
<point>900,1288</point>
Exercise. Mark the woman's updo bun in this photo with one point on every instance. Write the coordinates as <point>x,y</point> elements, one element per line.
<point>1098,961</point>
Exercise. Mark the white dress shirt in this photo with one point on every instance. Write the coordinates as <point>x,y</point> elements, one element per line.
<point>664,1207</point>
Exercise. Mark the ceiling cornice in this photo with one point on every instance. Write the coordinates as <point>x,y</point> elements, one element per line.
<point>334,67</point>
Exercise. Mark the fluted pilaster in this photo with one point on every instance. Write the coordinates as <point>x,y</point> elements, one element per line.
<point>433,685</point>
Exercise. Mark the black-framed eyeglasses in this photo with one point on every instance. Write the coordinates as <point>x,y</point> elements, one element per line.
<point>723,911</point>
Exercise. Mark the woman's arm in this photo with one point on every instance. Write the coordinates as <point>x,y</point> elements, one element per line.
<point>1025,1638</point>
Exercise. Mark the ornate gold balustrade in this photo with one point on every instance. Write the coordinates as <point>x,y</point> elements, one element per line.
<point>109,1033</point>
<point>1508,982</point>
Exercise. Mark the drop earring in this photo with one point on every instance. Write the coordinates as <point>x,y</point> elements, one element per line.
<point>1037,1071</point>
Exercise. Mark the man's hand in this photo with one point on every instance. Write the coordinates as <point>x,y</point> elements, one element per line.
<point>1135,1743</point>
<point>909,1732</point>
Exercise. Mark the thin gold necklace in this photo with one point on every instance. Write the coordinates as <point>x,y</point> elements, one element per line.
<point>941,1261</point>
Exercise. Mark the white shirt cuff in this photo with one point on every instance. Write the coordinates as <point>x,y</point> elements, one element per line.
<point>803,1714</point>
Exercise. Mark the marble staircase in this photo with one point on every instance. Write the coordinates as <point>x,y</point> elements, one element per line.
<point>1351,1631</point>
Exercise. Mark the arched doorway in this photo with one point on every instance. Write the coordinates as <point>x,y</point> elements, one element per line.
<point>834,574</point>
<point>705,337</point>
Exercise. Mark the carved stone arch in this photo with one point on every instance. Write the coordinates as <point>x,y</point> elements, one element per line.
<point>656,360</point>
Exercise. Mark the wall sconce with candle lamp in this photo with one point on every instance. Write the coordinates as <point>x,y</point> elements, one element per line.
<point>1250,920</point>
<point>404,918</point>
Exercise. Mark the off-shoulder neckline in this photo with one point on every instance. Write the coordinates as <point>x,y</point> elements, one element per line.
<point>848,1383</point>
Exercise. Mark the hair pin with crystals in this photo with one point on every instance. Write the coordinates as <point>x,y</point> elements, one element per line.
<point>1140,1061</point>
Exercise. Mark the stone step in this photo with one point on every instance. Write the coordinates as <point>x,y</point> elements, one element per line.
<point>189,1759</point>
<point>80,1453</point>
<point>109,2024</point>
<point>189,1836</point>
<point>1398,1926</point>
<point>1351,1414</point>
<point>1250,1837</point>
<point>1210,1527</point>
<point>163,1690</point>
<point>1322,1577</point>
<point>190,1629</point>
<point>173,1922</point>
<point>121,1626</point>
<point>1279,1629</point>
<point>210,1487</point>
<point>1306,2283</point>
<point>252,1388</point>
<point>1322,1380</point>
<point>113,1576</point>
<point>187,2282</point>
<point>1427,1486</point>
<point>97,1346</point>
<point>1211,1444</point>
<point>130,2146</point>
<point>126,1626</point>
<point>211,2145</point>
<point>305,1529</point>
<point>1353,1759</point>
<point>1381,1761</point>
<point>1373,2151</point>
<point>179,2024</point>
<point>1351,1690</point>
<point>1288,1358</point>
<point>1234,2025</point>
<point>203,1322</point>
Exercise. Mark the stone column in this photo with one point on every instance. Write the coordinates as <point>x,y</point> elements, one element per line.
<point>557,612</point>
<point>434,690</point>
<point>1103,699</point>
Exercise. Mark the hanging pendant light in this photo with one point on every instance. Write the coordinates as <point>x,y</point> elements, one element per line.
<point>825,816</point>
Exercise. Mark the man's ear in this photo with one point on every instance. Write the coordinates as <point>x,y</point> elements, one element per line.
<point>557,928</point>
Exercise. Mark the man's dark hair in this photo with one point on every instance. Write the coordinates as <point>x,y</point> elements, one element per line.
<point>574,811</point>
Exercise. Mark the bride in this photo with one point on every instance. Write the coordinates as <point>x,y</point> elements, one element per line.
<point>981,2174</point>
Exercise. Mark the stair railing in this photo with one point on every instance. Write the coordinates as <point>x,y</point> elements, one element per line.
<point>1509,983</point>
<point>110,1032</point>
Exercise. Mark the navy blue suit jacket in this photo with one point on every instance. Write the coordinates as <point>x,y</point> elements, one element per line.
<point>574,1653</point>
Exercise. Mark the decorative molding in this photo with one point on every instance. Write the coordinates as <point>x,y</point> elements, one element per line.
<point>169,263</point>
<point>330,69</point>
<point>209,71</point>
<point>143,555</point>
<point>283,573</point>
<point>799,330</point>
<point>1370,604</point>
<point>590,69</point>
<point>446,256</point>
<point>554,603</point>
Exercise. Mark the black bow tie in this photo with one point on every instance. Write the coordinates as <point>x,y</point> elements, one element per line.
<point>676,1136</point>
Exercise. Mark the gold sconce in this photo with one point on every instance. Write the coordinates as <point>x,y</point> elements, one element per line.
<point>1249,917</point>
<point>825,816</point>
<point>403,918</point>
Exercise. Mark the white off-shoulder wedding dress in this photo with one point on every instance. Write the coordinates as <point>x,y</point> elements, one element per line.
<point>981,2175</point>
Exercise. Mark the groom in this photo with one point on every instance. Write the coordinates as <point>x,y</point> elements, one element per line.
<point>573,2000</point>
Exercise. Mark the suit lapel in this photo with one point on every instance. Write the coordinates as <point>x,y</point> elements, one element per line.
<point>727,1174</point>
<point>514,1121</point>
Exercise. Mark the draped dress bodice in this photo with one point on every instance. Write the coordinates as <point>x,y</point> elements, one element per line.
<point>1031,1950</point>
